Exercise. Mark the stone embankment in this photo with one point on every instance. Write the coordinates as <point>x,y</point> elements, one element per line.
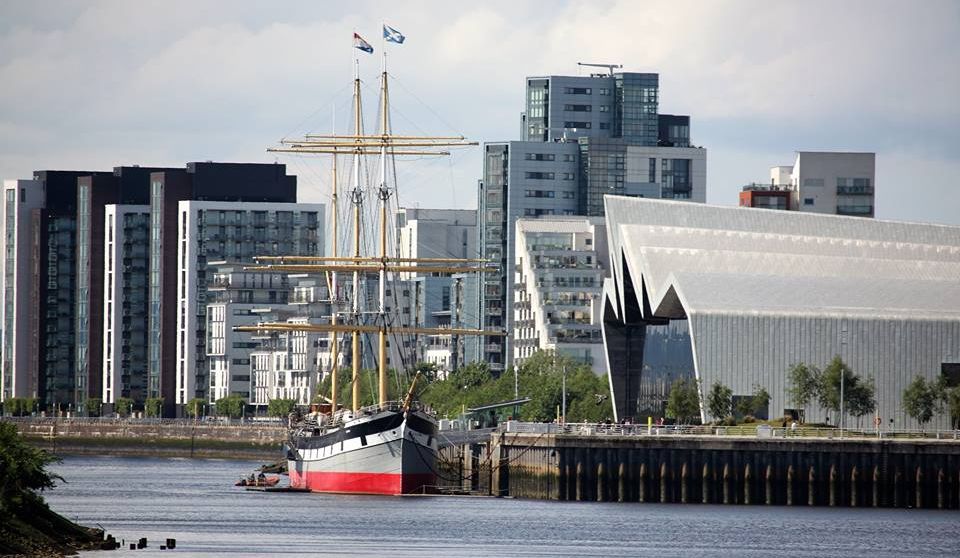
<point>246,440</point>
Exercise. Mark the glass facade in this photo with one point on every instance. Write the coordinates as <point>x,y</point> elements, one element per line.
<point>9,278</point>
<point>83,294</point>
<point>156,286</point>
<point>636,106</point>
<point>57,360</point>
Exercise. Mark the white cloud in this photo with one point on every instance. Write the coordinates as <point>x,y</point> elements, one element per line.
<point>166,82</point>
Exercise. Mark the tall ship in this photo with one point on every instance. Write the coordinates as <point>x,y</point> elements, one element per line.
<point>389,447</point>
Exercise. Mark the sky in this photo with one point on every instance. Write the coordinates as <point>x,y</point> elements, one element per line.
<point>96,84</point>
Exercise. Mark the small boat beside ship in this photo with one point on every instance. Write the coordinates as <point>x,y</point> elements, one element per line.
<point>258,481</point>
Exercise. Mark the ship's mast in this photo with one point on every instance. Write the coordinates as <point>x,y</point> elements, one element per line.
<point>384,195</point>
<point>357,199</point>
<point>334,338</point>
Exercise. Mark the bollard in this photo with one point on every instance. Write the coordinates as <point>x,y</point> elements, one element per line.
<point>747,477</point>
<point>790,485</point>
<point>171,543</point>
<point>664,478</point>
<point>812,487</point>
<point>643,482</point>
<point>133,546</point>
<point>684,475</point>
<point>706,484</point>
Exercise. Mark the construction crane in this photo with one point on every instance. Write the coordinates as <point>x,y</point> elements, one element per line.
<point>610,67</point>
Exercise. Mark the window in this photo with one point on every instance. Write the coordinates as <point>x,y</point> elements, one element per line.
<point>539,175</point>
<point>588,241</point>
<point>604,125</point>
<point>569,195</point>
<point>538,194</point>
<point>575,124</point>
<point>578,108</point>
<point>569,176</point>
<point>569,158</point>
<point>577,90</point>
<point>807,201</point>
<point>540,157</point>
<point>604,108</point>
<point>604,91</point>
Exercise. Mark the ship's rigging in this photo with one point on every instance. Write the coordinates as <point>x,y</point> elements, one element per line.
<point>353,320</point>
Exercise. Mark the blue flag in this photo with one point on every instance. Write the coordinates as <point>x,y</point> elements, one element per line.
<point>359,43</point>
<point>392,35</point>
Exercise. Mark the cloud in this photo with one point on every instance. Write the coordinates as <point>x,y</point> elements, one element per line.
<point>139,81</point>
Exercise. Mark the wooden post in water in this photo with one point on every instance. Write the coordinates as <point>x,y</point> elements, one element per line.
<point>726,483</point>
<point>622,483</point>
<point>812,487</point>
<point>854,481</point>
<point>601,483</point>
<point>769,485</point>
<point>684,477</point>
<point>579,481</point>
<point>643,482</point>
<point>664,477</point>
<point>876,486</point>
<point>940,483</point>
<point>919,487</point>
<point>790,485</point>
<point>832,488</point>
<point>706,483</point>
<point>747,479</point>
<point>897,480</point>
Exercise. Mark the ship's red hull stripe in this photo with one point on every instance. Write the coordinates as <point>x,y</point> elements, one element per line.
<point>362,483</point>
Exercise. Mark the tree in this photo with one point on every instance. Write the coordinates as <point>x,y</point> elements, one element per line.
<point>153,406</point>
<point>683,403</point>
<point>22,469</point>
<point>804,384</point>
<point>124,405</point>
<point>280,407</point>
<point>920,400</point>
<point>951,398</point>
<point>860,398</point>
<point>760,402</point>
<point>195,407</point>
<point>720,401</point>
<point>231,406</point>
<point>93,406</point>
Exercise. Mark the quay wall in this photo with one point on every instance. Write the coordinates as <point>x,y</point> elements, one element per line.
<point>715,470</point>
<point>159,439</point>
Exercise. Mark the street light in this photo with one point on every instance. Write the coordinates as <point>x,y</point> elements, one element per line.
<point>563,416</point>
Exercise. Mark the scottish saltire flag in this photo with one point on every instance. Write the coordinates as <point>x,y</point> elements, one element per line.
<point>358,42</point>
<point>392,35</point>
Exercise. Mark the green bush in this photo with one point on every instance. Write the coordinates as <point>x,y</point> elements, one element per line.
<point>153,406</point>
<point>124,406</point>
<point>280,407</point>
<point>93,406</point>
<point>195,407</point>
<point>231,406</point>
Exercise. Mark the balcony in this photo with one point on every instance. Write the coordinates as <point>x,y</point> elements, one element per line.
<point>855,190</point>
<point>855,210</point>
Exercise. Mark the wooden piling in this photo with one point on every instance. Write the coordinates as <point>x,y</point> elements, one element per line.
<point>622,483</point>
<point>726,483</point>
<point>705,497</point>
<point>919,487</point>
<point>832,487</point>
<point>747,478</point>
<point>876,486</point>
<point>664,483</point>
<point>769,485</point>
<point>854,481</point>
<point>940,484</point>
<point>812,487</point>
<point>684,477</point>
<point>601,483</point>
<point>579,481</point>
<point>897,481</point>
<point>643,483</point>
<point>790,485</point>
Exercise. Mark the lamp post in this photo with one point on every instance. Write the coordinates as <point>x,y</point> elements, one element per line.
<point>842,374</point>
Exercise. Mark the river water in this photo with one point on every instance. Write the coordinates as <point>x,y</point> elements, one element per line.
<point>195,502</point>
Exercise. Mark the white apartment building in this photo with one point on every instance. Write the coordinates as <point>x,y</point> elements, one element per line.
<point>561,263</point>
<point>666,173</point>
<point>236,232</point>
<point>125,299</point>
